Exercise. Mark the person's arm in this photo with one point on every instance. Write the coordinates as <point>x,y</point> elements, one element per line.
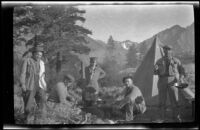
<point>126,99</point>
<point>181,70</point>
<point>23,74</point>
<point>122,93</point>
<point>156,68</point>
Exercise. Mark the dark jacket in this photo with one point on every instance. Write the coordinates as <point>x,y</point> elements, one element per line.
<point>29,73</point>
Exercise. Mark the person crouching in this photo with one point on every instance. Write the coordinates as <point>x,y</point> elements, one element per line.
<point>59,92</point>
<point>133,102</point>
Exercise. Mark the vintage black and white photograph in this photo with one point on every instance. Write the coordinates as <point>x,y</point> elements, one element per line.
<point>103,63</point>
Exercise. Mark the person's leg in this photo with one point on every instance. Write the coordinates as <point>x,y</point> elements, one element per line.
<point>25,99</point>
<point>162,94</point>
<point>173,96</point>
<point>28,98</point>
<point>84,99</point>
<point>129,111</point>
<point>41,100</point>
<point>119,112</point>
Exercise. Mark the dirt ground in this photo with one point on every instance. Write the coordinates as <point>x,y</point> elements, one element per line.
<point>152,114</point>
<point>59,117</point>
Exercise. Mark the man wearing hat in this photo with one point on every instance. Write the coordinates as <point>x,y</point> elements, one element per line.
<point>170,71</point>
<point>92,74</point>
<point>33,83</point>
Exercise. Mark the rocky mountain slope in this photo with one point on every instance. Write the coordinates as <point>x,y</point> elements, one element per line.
<point>181,39</point>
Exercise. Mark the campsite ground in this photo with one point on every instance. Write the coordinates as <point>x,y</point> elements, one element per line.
<point>150,115</point>
<point>58,116</point>
<point>186,108</point>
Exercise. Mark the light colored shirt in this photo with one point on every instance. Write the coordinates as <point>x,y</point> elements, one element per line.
<point>92,77</point>
<point>42,83</point>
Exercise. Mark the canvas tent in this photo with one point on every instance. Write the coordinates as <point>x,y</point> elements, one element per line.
<point>144,77</point>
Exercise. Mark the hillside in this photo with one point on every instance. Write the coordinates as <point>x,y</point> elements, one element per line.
<point>98,49</point>
<point>186,40</point>
<point>181,39</point>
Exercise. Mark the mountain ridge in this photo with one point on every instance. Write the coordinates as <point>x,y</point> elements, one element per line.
<point>180,38</point>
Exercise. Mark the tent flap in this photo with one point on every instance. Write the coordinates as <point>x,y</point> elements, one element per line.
<point>144,77</point>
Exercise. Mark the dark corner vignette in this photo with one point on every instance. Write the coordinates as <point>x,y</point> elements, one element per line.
<point>7,66</point>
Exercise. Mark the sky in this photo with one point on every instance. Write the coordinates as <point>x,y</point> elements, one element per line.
<point>134,22</point>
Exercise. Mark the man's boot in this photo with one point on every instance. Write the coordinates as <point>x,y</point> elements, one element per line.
<point>162,114</point>
<point>177,119</point>
<point>176,114</point>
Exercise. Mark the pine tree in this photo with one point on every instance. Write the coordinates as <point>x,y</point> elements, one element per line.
<point>54,26</point>
<point>132,56</point>
<point>143,48</point>
<point>111,43</point>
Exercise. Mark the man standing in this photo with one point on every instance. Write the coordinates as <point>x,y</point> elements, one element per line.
<point>33,83</point>
<point>92,74</point>
<point>133,102</point>
<point>170,71</point>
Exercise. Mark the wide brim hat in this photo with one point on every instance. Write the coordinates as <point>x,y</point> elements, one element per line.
<point>127,77</point>
<point>34,49</point>
<point>38,48</point>
<point>92,59</point>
